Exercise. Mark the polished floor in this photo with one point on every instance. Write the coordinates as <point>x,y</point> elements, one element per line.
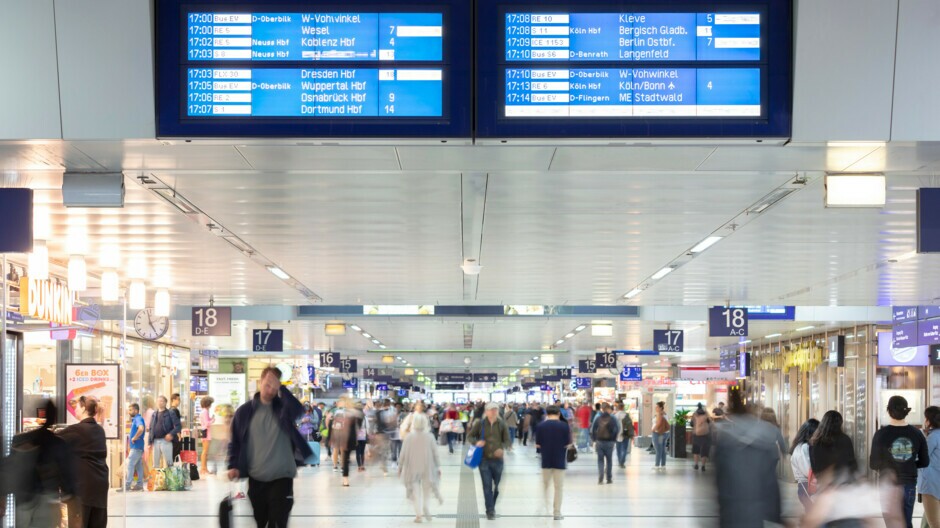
<point>678,497</point>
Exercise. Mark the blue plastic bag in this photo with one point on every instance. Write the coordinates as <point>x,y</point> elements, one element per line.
<point>475,454</point>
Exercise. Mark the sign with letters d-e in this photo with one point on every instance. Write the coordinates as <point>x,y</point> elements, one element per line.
<point>348,366</point>
<point>212,321</point>
<point>727,322</point>
<point>668,341</point>
<point>329,359</point>
<point>267,340</point>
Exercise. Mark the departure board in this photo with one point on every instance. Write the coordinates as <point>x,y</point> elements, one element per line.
<point>550,68</point>
<point>314,69</point>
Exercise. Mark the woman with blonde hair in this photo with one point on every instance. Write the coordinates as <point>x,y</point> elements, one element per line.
<point>419,467</point>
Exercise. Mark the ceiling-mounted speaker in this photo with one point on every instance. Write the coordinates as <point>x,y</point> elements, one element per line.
<point>93,189</point>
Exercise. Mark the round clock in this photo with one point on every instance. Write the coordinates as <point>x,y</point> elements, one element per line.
<point>149,326</point>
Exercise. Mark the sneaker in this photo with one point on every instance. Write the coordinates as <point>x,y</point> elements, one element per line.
<point>610,482</point>
<point>600,481</point>
<point>490,516</point>
<point>622,466</point>
<point>696,467</point>
<point>558,517</point>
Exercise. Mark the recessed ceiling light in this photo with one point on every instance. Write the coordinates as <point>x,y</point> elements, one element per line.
<point>633,293</point>
<point>771,336</point>
<point>367,336</point>
<point>278,272</point>
<point>856,190</point>
<point>569,335</point>
<point>580,328</point>
<point>803,329</point>
<point>376,341</point>
<point>705,244</point>
<point>383,347</point>
<point>560,341</point>
<point>663,272</point>
<point>355,327</point>
<point>398,358</point>
<point>535,358</point>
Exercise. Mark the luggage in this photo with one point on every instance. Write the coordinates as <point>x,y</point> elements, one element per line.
<point>193,472</point>
<point>314,459</point>
<point>188,450</point>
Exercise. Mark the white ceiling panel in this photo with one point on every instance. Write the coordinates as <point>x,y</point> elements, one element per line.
<point>320,158</point>
<point>42,156</point>
<point>624,159</point>
<point>476,158</point>
<point>157,155</point>
<point>788,158</point>
<point>898,157</point>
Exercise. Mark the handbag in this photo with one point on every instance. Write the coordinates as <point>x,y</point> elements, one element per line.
<point>572,454</point>
<point>475,454</point>
<point>225,512</point>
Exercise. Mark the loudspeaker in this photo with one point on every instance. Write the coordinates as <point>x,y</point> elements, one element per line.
<point>93,189</point>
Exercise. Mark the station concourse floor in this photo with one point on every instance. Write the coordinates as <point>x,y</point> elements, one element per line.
<point>639,496</point>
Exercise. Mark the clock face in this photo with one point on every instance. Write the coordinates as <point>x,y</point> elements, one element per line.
<point>149,326</point>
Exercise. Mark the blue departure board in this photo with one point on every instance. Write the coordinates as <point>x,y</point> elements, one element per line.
<point>302,68</point>
<point>693,68</point>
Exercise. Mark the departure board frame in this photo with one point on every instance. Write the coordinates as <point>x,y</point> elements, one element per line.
<point>775,64</point>
<point>174,121</point>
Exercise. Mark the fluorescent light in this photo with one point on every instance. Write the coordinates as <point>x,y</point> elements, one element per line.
<point>856,190</point>
<point>744,342</point>
<point>580,328</point>
<point>366,335</point>
<point>803,329</point>
<point>705,244</point>
<point>906,256</point>
<point>633,293</point>
<point>109,286</point>
<point>645,364</point>
<point>569,335</point>
<point>161,303</point>
<point>278,272</point>
<point>355,327</point>
<point>535,358</point>
<point>383,347</point>
<point>663,272</point>
<point>398,358</point>
<point>772,336</point>
<point>602,330</point>
<point>376,341</point>
<point>137,296</point>
<point>78,276</point>
<point>560,341</point>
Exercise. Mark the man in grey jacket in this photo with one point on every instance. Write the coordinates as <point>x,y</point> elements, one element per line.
<point>492,435</point>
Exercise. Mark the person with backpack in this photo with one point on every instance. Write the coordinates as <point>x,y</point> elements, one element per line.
<point>898,450</point>
<point>604,434</point>
<point>625,437</point>
<point>701,436</point>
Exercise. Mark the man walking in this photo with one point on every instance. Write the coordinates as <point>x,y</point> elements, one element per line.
<point>164,427</point>
<point>135,458</point>
<point>554,438</point>
<point>175,409</point>
<point>604,434</point>
<point>492,435</point>
<point>266,448</point>
<point>625,437</point>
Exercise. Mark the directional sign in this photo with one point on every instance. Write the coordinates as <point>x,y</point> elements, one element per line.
<point>460,377</point>
<point>381,387</point>
<point>267,340</point>
<point>348,366</point>
<point>449,386</point>
<point>582,383</point>
<point>727,322</point>
<point>668,340</point>
<point>564,373</point>
<point>369,373</point>
<point>546,388</point>
<point>606,360</point>
<point>485,378</point>
<point>402,393</point>
<point>329,359</point>
<point>587,366</point>
<point>351,383</point>
<point>212,321</point>
<point>631,374</point>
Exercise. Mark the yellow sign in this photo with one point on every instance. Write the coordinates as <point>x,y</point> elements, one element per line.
<point>46,300</point>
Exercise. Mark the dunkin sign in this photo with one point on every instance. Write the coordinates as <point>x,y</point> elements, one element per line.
<point>46,300</point>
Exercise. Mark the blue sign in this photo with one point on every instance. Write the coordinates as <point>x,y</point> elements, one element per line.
<point>636,352</point>
<point>267,340</point>
<point>727,321</point>
<point>485,378</point>
<point>329,359</point>
<point>928,332</point>
<point>381,387</point>
<point>668,341</point>
<point>905,335</point>
<point>311,373</point>
<point>546,388</point>
<point>903,314</point>
<point>17,233</point>
<point>402,393</point>
<point>460,377</point>
<point>928,312</point>
<point>351,383</point>
<point>770,313</point>
<point>631,374</point>
<point>606,360</point>
<point>15,317</point>
<point>348,366</point>
<point>582,383</point>
<point>449,386</point>
<point>587,366</point>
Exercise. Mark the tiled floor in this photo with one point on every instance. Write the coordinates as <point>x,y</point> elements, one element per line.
<point>639,496</point>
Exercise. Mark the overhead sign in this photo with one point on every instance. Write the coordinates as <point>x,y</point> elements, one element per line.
<point>727,321</point>
<point>668,341</point>
<point>351,383</point>
<point>369,373</point>
<point>489,377</point>
<point>460,377</point>
<point>449,386</point>
<point>546,388</point>
<point>329,359</point>
<point>606,360</point>
<point>17,233</point>
<point>903,314</point>
<point>631,374</point>
<point>212,321</point>
<point>582,383</point>
<point>905,335</point>
<point>46,300</point>
<point>837,351</point>
<point>267,340</point>
<point>348,366</point>
<point>381,387</point>
<point>587,366</point>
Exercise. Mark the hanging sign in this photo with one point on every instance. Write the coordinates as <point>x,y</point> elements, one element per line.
<point>267,340</point>
<point>351,383</point>
<point>212,321</point>
<point>46,300</point>
<point>349,366</point>
<point>582,383</point>
<point>329,359</point>
<point>668,341</point>
<point>587,366</point>
<point>606,360</point>
<point>727,321</point>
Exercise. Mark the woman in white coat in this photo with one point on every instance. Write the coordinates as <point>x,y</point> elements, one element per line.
<point>419,467</point>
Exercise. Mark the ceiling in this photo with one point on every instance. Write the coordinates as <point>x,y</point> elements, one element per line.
<point>560,225</point>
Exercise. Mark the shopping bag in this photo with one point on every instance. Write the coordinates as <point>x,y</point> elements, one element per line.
<point>475,454</point>
<point>158,480</point>
<point>447,426</point>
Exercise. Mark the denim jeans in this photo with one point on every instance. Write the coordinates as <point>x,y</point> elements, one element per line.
<point>491,471</point>
<point>605,455</point>
<point>910,497</point>
<point>512,435</point>
<point>135,462</point>
<point>623,449</point>
<point>451,438</point>
<point>659,443</point>
<point>162,449</point>
<point>584,438</point>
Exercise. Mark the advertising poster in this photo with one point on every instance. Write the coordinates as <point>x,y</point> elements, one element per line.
<point>227,389</point>
<point>101,381</point>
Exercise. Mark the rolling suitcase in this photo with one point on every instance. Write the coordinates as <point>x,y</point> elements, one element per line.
<point>314,459</point>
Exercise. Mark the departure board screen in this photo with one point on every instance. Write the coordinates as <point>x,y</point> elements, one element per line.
<point>296,68</point>
<point>661,69</point>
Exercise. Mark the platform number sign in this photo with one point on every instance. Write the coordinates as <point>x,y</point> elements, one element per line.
<point>267,340</point>
<point>668,341</point>
<point>587,366</point>
<point>727,322</point>
<point>369,373</point>
<point>329,359</point>
<point>212,321</point>
<point>606,360</point>
<point>348,366</point>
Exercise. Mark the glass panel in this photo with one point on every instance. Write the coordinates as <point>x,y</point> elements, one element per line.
<point>849,402</point>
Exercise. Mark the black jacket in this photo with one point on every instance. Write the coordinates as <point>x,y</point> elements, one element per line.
<point>288,411</point>
<point>171,425</point>
<point>51,466</point>
<point>89,452</point>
